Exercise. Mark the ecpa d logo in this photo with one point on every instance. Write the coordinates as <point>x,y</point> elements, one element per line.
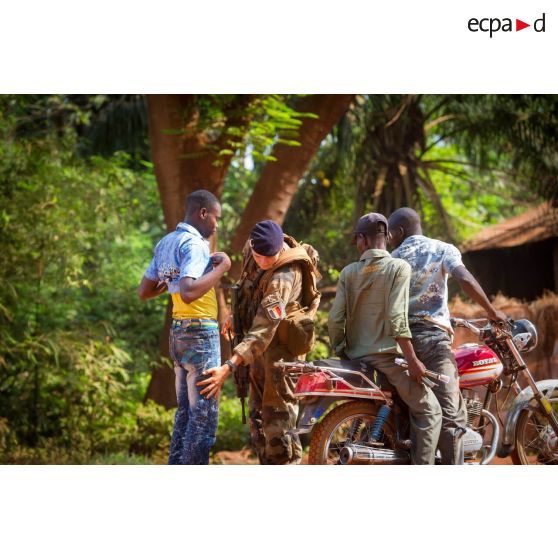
<point>492,25</point>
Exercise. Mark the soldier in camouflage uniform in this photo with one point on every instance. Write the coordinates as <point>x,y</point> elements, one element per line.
<point>273,296</point>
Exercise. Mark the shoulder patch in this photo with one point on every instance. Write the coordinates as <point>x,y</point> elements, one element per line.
<point>372,268</point>
<point>274,307</point>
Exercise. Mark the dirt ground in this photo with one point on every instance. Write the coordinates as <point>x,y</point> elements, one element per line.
<point>246,457</point>
<point>242,457</point>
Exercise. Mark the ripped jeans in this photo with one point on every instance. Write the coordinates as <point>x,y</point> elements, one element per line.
<point>194,347</point>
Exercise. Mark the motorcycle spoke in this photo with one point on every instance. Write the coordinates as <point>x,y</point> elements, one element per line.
<point>356,429</point>
<point>538,439</point>
<point>349,431</point>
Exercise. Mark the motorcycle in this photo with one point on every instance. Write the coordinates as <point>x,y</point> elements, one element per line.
<point>354,417</point>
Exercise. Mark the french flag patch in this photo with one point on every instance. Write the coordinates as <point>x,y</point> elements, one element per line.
<point>276,312</point>
<point>274,307</point>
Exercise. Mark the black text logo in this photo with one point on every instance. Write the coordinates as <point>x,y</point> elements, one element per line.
<point>493,25</point>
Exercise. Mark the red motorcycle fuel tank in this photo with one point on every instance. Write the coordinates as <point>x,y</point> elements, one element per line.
<point>477,365</point>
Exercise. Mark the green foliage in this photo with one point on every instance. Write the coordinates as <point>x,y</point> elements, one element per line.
<point>153,429</point>
<point>273,121</point>
<point>259,121</point>
<point>516,134</point>
<point>232,435</point>
<point>123,458</point>
<point>463,161</point>
<point>76,237</point>
<point>102,124</point>
<point>473,199</point>
<point>326,193</point>
<point>238,187</point>
<point>322,348</point>
<point>80,214</point>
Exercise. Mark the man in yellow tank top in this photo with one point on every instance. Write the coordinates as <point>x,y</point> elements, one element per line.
<point>183,266</point>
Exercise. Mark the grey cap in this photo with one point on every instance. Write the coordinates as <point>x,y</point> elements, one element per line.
<point>368,224</point>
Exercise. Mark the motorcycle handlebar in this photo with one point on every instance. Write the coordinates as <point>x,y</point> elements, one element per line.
<point>461,322</point>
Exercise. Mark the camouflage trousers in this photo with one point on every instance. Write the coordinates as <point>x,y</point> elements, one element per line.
<point>273,410</point>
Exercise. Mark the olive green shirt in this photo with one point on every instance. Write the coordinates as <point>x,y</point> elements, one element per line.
<point>370,306</point>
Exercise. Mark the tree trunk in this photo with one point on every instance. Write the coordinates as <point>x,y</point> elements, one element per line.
<point>161,387</point>
<point>184,162</point>
<point>278,183</point>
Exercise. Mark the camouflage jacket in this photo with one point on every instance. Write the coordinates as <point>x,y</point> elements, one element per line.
<point>283,291</point>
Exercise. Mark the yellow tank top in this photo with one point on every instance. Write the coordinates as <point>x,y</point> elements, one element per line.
<point>203,307</point>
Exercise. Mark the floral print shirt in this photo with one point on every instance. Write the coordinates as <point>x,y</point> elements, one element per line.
<point>431,262</point>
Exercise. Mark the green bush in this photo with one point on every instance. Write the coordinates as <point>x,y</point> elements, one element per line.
<point>153,430</point>
<point>76,344</point>
<point>232,435</point>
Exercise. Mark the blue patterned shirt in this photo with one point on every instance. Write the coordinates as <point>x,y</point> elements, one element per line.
<point>183,253</point>
<point>431,262</point>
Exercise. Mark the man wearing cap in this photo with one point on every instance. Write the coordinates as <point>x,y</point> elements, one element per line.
<point>432,261</point>
<point>273,407</point>
<point>368,321</point>
<point>183,265</point>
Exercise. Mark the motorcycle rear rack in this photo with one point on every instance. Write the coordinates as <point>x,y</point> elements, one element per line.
<point>299,368</point>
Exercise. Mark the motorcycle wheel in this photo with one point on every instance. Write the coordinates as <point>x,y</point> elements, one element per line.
<point>536,442</point>
<point>332,433</point>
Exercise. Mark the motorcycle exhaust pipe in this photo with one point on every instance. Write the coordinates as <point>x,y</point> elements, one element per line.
<point>363,455</point>
<point>489,456</point>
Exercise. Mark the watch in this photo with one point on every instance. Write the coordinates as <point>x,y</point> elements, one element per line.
<point>232,365</point>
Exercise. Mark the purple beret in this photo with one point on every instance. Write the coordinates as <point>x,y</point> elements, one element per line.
<point>267,238</point>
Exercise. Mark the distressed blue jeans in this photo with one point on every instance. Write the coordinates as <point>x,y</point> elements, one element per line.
<point>194,347</point>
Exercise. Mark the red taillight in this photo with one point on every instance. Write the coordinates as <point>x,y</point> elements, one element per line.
<point>316,381</point>
<point>321,383</point>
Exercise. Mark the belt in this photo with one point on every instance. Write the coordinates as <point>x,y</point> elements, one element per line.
<point>203,322</point>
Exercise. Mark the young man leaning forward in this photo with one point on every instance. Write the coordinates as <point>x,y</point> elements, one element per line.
<point>368,321</point>
<point>431,262</point>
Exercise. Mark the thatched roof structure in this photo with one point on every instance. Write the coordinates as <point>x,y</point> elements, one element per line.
<point>518,257</point>
<point>534,225</point>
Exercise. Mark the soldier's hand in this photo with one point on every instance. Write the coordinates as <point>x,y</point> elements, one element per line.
<point>213,384</point>
<point>227,326</point>
<point>417,370</point>
<point>220,259</point>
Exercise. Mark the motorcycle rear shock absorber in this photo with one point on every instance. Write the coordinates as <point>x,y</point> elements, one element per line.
<point>379,423</point>
<point>353,430</point>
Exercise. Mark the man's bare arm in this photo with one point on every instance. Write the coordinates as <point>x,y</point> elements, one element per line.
<point>473,290</point>
<point>150,289</point>
<point>192,289</point>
